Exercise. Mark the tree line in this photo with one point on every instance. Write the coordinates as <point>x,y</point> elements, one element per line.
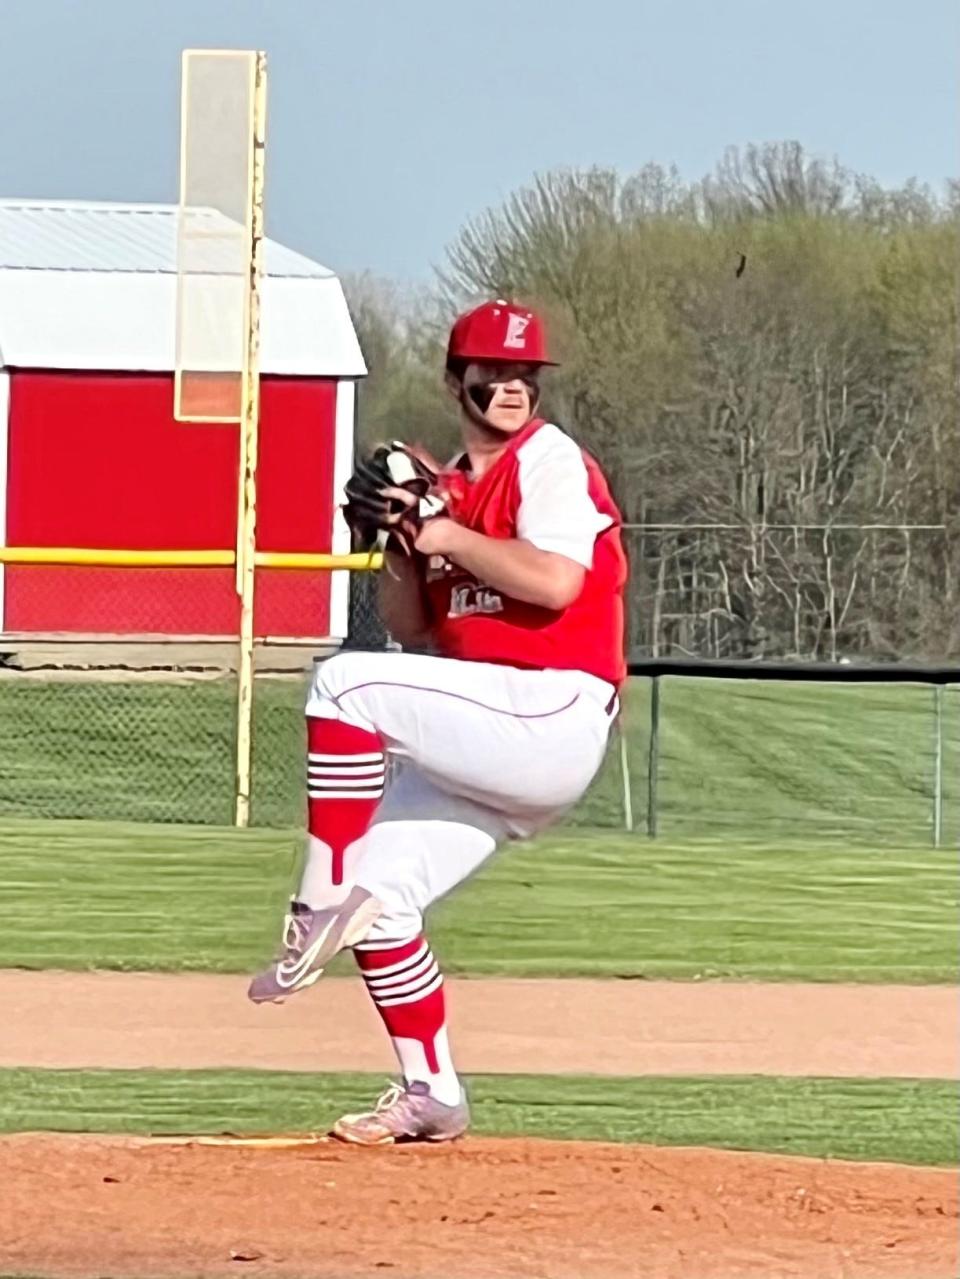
<point>766,363</point>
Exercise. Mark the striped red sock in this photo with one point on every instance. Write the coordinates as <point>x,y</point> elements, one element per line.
<point>345,772</point>
<point>406,985</point>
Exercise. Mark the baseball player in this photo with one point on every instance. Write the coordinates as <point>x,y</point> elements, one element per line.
<point>503,583</point>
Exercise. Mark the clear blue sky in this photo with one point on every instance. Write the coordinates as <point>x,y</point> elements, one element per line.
<point>393,121</point>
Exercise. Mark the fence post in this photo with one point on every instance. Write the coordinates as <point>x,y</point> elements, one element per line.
<point>653,756</point>
<point>625,777</point>
<point>938,764</point>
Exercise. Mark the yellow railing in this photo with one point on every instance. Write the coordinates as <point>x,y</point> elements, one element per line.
<point>103,557</point>
<point>111,558</point>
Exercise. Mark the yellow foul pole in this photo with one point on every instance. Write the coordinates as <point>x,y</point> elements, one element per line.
<point>249,428</point>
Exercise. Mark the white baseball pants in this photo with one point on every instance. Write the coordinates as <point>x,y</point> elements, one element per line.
<point>485,753</point>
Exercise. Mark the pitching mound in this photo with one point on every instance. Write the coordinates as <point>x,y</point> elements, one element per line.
<point>85,1206</point>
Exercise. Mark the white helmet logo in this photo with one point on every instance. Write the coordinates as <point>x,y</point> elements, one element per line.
<point>516,328</point>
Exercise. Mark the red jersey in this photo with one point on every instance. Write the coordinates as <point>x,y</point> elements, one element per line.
<point>546,490</point>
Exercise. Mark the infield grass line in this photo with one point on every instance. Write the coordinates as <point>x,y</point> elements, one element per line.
<point>83,895</point>
<point>902,1121</point>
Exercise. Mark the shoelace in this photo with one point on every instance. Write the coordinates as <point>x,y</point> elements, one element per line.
<point>388,1099</point>
<point>294,935</point>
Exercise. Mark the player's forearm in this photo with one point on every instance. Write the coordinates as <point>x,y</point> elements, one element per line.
<point>401,601</point>
<point>517,568</point>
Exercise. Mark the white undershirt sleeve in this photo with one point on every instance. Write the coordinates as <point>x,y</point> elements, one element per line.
<point>557,512</point>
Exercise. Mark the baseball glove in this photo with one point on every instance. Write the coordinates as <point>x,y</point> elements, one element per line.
<point>389,495</point>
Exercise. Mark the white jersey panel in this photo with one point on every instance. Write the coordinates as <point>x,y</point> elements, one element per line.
<point>557,512</point>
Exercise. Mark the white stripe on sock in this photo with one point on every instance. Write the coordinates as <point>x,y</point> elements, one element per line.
<point>369,772</point>
<point>374,974</point>
<point>383,985</point>
<point>344,779</point>
<point>345,794</point>
<point>316,757</point>
<point>346,766</point>
<point>412,998</point>
<point>406,986</point>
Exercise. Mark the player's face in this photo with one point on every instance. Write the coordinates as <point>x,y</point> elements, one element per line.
<point>504,393</point>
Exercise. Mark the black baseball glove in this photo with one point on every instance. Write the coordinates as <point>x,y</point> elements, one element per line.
<point>389,495</point>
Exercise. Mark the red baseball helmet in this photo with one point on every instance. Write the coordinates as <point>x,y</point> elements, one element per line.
<point>499,333</point>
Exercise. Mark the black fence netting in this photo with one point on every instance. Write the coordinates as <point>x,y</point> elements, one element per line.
<point>749,750</point>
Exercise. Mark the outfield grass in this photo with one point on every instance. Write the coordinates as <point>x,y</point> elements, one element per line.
<point>92,748</point>
<point>109,895</point>
<point>850,762</point>
<point>755,760</point>
<point>906,1121</point>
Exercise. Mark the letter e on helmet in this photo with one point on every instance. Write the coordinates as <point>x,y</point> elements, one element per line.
<point>498,333</point>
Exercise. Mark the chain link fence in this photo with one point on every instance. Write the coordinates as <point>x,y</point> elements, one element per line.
<point>141,729</point>
<point>703,758</point>
<point>731,759</point>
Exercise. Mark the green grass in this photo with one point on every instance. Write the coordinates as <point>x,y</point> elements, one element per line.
<point>906,1121</point>
<point>91,748</point>
<point>755,760</point>
<point>847,761</point>
<point>104,895</point>
<point>147,750</point>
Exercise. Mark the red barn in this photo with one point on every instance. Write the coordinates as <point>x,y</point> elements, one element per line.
<point>90,453</point>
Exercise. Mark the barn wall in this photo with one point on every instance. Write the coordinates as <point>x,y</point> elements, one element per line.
<point>295,502</point>
<point>96,459</point>
<point>4,423</point>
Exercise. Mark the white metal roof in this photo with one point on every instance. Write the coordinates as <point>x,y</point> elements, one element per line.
<point>93,286</point>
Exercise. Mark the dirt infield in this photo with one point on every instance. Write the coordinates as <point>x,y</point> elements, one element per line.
<point>481,1209</point>
<point>193,1021</point>
<point>478,1210</point>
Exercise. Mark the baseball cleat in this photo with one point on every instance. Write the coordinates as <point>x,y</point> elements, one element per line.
<point>311,938</point>
<point>405,1112</point>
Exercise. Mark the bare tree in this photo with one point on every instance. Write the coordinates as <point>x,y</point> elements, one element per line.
<point>771,353</point>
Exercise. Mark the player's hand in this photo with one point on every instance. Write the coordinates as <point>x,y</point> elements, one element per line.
<point>390,494</point>
<point>436,536</point>
<point>401,517</point>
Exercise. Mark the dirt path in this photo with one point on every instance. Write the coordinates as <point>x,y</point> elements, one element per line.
<point>134,1020</point>
<point>478,1210</point>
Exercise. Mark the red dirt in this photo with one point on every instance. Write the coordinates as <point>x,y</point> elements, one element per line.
<point>78,1207</point>
<point>82,1206</point>
<point>193,1021</point>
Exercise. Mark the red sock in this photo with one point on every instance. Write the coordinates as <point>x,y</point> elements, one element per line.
<point>345,771</point>
<point>407,987</point>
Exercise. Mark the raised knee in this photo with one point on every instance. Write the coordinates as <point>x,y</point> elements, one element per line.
<point>335,675</point>
<point>344,671</point>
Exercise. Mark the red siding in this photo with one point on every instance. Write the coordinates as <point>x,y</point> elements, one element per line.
<point>97,460</point>
<point>295,501</point>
